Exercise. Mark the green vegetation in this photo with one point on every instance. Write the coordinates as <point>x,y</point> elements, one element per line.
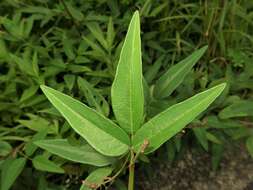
<point>78,50</point>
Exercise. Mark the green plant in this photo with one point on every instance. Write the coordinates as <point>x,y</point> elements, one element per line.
<point>118,146</point>
<point>74,47</point>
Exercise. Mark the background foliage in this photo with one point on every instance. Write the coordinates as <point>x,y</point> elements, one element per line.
<point>73,46</point>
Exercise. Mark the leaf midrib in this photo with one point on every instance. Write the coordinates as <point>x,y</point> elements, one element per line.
<point>100,159</point>
<point>71,150</point>
<point>175,120</point>
<point>130,78</point>
<point>84,120</point>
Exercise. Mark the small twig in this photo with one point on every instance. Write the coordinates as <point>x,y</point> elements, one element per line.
<point>24,155</point>
<point>91,185</point>
<point>117,174</point>
<point>17,150</point>
<point>108,179</point>
<point>142,149</point>
<point>246,123</point>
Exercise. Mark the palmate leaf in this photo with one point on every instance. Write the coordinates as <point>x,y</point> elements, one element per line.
<point>127,89</point>
<point>82,154</point>
<point>101,133</point>
<point>171,79</point>
<point>171,121</point>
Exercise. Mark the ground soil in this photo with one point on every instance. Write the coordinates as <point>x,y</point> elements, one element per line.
<point>194,172</point>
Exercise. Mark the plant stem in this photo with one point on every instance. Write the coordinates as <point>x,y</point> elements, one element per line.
<point>131,172</point>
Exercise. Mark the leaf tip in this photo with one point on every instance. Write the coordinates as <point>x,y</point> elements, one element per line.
<point>222,86</point>
<point>203,49</point>
<point>136,17</point>
<point>219,88</point>
<point>136,13</point>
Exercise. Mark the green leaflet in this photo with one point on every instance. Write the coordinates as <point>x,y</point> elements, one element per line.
<point>29,147</point>
<point>5,148</point>
<point>172,78</point>
<point>3,50</point>
<point>171,151</point>
<point>110,35</point>
<point>96,178</point>
<point>29,92</point>
<point>37,123</point>
<point>214,122</point>
<point>69,81</point>
<point>98,49</point>
<point>68,47</point>
<point>201,136</point>
<point>249,145</point>
<point>211,137</point>
<point>97,33</point>
<point>42,163</point>
<point>153,70</point>
<point>171,121</point>
<point>127,89</point>
<point>240,108</point>
<point>94,98</point>
<point>10,171</point>
<point>100,132</point>
<point>82,154</point>
<point>217,153</point>
<point>75,12</point>
<point>24,65</point>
